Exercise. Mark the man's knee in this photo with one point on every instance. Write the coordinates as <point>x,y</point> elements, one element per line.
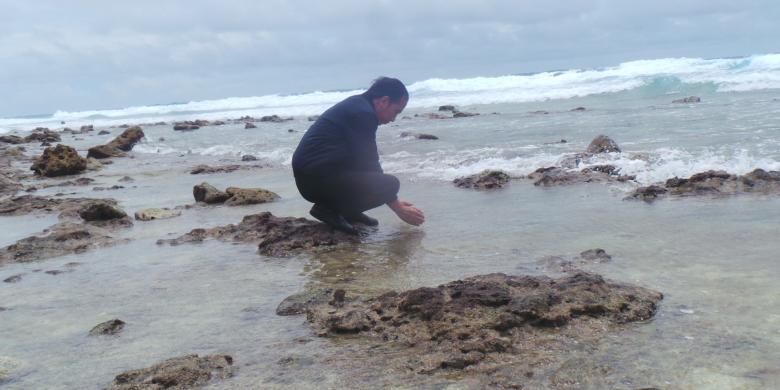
<point>393,184</point>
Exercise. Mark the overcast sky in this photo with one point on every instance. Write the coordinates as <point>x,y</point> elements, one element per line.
<point>80,55</point>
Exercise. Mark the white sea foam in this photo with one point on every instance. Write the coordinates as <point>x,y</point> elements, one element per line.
<point>726,75</point>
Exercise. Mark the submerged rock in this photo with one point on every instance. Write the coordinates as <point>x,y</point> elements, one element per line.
<point>275,236</point>
<point>111,327</point>
<point>155,213</point>
<point>489,321</point>
<point>63,239</point>
<point>419,135</point>
<point>27,204</point>
<point>100,211</point>
<point>554,176</point>
<point>712,183</point>
<point>183,372</point>
<point>119,145</point>
<point>689,99</point>
<point>485,180</point>
<point>298,303</point>
<point>60,160</point>
<point>274,119</point>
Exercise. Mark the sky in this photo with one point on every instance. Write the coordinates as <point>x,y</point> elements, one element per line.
<point>83,55</point>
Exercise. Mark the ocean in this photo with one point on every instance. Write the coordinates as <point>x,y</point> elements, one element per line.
<point>714,258</point>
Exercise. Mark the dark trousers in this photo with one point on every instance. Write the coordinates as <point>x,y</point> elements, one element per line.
<point>349,193</point>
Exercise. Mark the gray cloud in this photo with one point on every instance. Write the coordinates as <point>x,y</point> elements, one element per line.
<point>96,54</point>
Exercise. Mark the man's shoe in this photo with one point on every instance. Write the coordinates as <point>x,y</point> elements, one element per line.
<point>362,218</point>
<point>332,219</point>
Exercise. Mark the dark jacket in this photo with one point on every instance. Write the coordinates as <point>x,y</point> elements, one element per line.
<point>343,139</point>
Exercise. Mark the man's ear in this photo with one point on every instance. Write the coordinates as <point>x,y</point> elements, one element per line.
<point>384,101</point>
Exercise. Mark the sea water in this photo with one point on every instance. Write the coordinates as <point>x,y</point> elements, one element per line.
<point>715,259</point>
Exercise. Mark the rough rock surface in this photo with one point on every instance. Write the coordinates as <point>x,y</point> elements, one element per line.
<point>185,372</point>
<point>575,264</point>
<point>62,239</point>
<point>206,193</point>
<point>485,180</point>
<point>554,176</point>
<point>418,135</point>
<point>199,169</point>
<point>155,213</point>
<point>489,321</point>
<point>602,144</point>
<point>274,119</point>
<point>111,327</point>
<point>247,196</point>
<point>119,145</point>
<point>40,134</point>
<point>712,183</point>
<point>100,211</point>
<point>59,161</point>
<point>297,303</point>
<point>68,207</point>
<point>275,236</point>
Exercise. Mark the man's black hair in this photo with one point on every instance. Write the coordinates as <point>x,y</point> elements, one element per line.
<point>387,86</point>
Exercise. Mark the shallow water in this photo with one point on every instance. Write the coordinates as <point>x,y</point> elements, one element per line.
<point>715,259</point>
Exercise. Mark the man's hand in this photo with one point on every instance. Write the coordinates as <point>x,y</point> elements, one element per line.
<point>407,212</point>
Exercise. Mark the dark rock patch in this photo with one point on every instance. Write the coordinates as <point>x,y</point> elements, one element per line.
<point>461,114</point>
<point>448,107</point>
<point>250,125</point>
<point>489,321</point>
<point>118,146</point>
<point>578,109</point>
<point>100,211</point>
<point>274,119</point>
<point>185,372</point>
<point>26,204</point>
<point>111,327</point>
<point>60,160</point>
<point>298,303</point>
<point>419,135</point>
<point>248,157</point>
<point>689,99</point>
<point>206,193</point>
<point>555,176</point>
<point>485,180</point>
<point>13,279</point>
<point>276,236</point>
<point>602,144</point>
<point>712,183</point>
<point>62,239</point>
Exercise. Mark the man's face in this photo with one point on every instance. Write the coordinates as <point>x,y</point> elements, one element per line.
<point>386,111</point>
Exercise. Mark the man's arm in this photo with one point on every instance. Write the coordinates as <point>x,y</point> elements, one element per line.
<point>407,212</point>
<point>363,138</point>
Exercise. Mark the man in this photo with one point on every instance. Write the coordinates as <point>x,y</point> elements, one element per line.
<point>336,164</point>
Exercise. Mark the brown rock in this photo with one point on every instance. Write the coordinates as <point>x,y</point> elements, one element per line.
<point>59,161</point>
<point>185,372</point>
<point>250,125</point>
<point>207,193</point>
<point>418,135</point>
<point>275,236</point>
<point>111,327</point>
<point>689,99</point>
<point>602,144</point>
<point>485,180</point>
<point>247,196</point>
<point>100,211</point>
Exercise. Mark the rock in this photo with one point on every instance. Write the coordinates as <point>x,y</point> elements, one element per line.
<point>274,119</point>
<point>247,196</point>
<point>208,169</point>
<point>62,239</point>
<point>578,109</point>
<point>119,145</point>
<point>12,139</point>
<point>275,236</point>
<point>104,132</point>
<point>13,279</point>
<point>8,185</point>
<point>183,372</point>
<point>554,176</point>
<point>250,125</point>
<point>596,255</point>
<point>418,135</point>
<point>489,321</point>
<point>113,187</point>
<point>689,99</point>
<point>648,194</point>
<point>540,112</point>
<point>154,213</point>
<point>111,327</point>
<point>86,128</point>
<point>59,161</point>
<point>126,179</point>
<point>291,130</point>
<point>207,193</point>
<point>460,114</point>
<point>100,211</point>
<point>450,108</point>
<point>185,127</point>
<point>26,204</point>
<point>248,157</point>
<point>298,303</point>
<point>42,134</point>
<point>486,180</point>
<point>602,144</point>
<point>313,118</point>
